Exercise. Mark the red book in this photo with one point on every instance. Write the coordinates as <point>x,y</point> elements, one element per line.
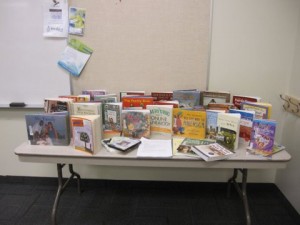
<point>238,99</point>
<point>137,102</point>
<point>167,96</point>
<point>174,103</point>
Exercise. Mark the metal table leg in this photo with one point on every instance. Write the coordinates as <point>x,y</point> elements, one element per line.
<point>61,187</point>
<point>241,190</point>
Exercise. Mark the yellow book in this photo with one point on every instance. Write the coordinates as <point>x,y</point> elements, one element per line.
<point>189,123</point>
<point>263,110</point>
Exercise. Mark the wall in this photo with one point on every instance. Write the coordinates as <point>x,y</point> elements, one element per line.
<point>252,53</point>
<point>288,180</point>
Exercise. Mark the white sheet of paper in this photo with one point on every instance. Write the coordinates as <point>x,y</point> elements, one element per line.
<point>155,148</point>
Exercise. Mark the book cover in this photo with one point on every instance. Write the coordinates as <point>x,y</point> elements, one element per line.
<point>238,99</point>
<point>135,93</point>
<point>57,105</point>
<point>212,152</point>
<point>75,57</point>
<point>86,133</point>
<point>48,129</point>
<point>185,147</point>
<point>212,123</point>
<point>136,102</point>
<point>262,110</point>
<point>112,116</point>
<point>161,119</point>
<point>136,123</point>
<point>187,98</point>
<point>214,97</point>
<point>93,92</point>
<point>263,135</point>
<point>228,130</point>
<point>246,123</point>
<point>87,108</point>
<point>76,20</point>
<point>189,123</point>
<point>166,96</point>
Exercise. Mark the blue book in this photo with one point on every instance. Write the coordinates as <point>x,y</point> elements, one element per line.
<point>187,98</point>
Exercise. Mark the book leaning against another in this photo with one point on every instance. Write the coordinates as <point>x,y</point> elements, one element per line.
<point>86,133</point>
<point>212,152</point>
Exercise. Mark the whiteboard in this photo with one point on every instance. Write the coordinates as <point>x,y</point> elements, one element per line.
<point>28,61</point>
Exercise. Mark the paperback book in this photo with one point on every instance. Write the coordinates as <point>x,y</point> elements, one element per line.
<point>189,123</point>
<point>136,102</point>
<point>93,92</point>
<point>187,98</point>
<point>262,110</point>
<point>263,136</point>
<point>57,105</point>
<point>123,143</point>
<point>48,129</point>
<point>246,123</point>
<point>161,119</point>
<point>87,108</point>
<point>228,130</point>
<point>134,93</point>
<point>136,123</point>
<point>207,97</point>
<point>185,148</point>
<point>212,152</point>
<point>86,133</point>
<point>212,123</point>
<point>112,116</point>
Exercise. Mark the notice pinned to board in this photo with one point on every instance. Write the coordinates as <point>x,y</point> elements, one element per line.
<point>55,18</point>
<point>75,57</point>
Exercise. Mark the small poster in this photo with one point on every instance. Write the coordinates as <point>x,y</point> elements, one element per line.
<point>55,18</point>
<point>75,57</point>
<point>76,21</point>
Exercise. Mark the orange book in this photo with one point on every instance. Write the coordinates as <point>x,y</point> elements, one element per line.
<point>136,102</point>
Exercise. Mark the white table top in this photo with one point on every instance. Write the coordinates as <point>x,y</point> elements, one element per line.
<point>68,155</point>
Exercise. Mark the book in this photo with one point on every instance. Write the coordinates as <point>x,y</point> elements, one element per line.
<point>135,93</point>
<point>189,123</point>
<point>93,92</point>
<point>136,102</point>
<point>87,108</point>
<point>212,152</point>
<point>57,105</point>
<point>112,116</point>
<point>276,148</point>
<point>150,148</point>
<point>238,99</point>
<point>176,141</point>
<point>161,119</point>
<point>185,147</point>
<point>246,123</point>
<point>212,123</point>
<point>214,97</point>
<point>75,57</point>
<point>228,130</point>
<point>136,123</point>
<point>174,103</point>
<point>76,20</point>
<point>83,98</point>
<point>123,143</point>
<point>187,98</point>
<point>220,106</point>
<point>263,110</point>
<point>166,96</point>
<point>73,97</point>
<point>86,133</point>
<point>263,136</point>
<point>105,98</point>
<point>48,129</point>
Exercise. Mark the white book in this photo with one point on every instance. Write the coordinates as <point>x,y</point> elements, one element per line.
<point>212,152</point>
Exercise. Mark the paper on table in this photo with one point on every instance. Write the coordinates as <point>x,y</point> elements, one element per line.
<point>155,148</point>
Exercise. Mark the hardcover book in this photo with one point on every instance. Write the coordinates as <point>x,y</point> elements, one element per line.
<point>136,123</point>
<point>228,130</point>
<point>48,129</point>
<point>87,108</point>
<point>136,102</point>
<point>238,99</point>
<point>263,135</point>
<point>112,116</point>
<point>214,97</point>
<point>212,152</point>
<point>189,123</point>
<point>262,110</point>
<point>246,123</point>
<point>161,119</point>
<point>86,133</point>
<point>187,98</point>
<point>166,96</point>
<point>185,148</point>
<point>57,105</point>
